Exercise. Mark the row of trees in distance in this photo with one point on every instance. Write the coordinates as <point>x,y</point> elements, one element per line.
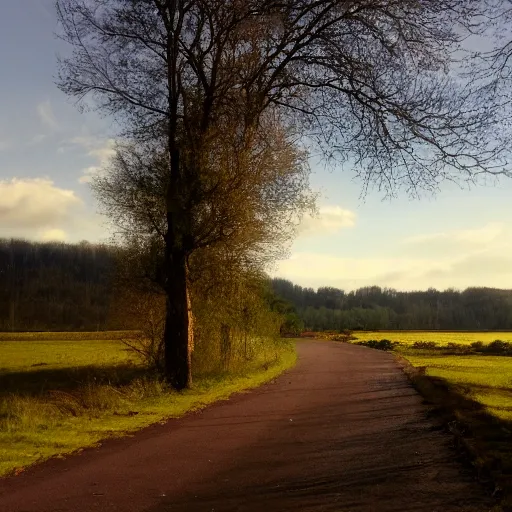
<point>373,307</point>
<point>88,287</point>
<point>60,287</point>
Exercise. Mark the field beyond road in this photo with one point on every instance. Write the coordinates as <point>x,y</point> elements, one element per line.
<point>61,392</point>
<point>438,337</point>
<point>342,431</point>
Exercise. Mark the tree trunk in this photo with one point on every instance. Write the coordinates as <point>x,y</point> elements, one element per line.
<point>178,334</point>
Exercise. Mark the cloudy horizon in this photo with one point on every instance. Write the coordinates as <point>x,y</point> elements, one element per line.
<point>49,151</point>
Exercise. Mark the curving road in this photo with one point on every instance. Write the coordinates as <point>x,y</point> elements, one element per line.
<point>343,431</point>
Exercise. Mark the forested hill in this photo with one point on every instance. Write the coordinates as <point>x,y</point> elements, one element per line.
<point>384,308</point>
<point>55,286</point>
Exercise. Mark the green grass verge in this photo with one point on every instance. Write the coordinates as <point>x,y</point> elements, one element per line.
<point>484,379</point>
<point>59,396</point>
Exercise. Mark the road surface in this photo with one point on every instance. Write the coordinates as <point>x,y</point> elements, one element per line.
<point>343,431</point>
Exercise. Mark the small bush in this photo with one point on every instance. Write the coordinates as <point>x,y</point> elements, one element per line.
<point>477,345</point>
<point>425,345</point>
<point>388,344</point>
<point>458,348</point>
<point>343,336</point>
<point>148,342</point>
<point>379,344</point>
<point>498,347</point>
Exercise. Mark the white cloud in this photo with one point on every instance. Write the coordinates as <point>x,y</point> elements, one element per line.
<point>101,150</point>
<point>37,209</point>
<point>28,205</point>
<point>86,141</point>
<point>54,235</point>
<point>314,269</point>
<point>46,115</point>
<point>330,220</point>
<point>476,257</point>
<point>37,139</point>
<point>88,174</point>
<point>478,236</point>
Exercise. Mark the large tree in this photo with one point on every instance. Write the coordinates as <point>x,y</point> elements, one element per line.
<point>242,220</point>
<point>370,81</point>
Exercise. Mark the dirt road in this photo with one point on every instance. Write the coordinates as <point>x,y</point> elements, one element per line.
<point>343,431</point>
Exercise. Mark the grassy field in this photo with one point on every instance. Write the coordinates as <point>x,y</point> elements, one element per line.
<point>59,336</point>
<point>473,395</point>
<point>60,392</point>
<point>439,337</point>
<point>450,357</point>
<point>486,379</point>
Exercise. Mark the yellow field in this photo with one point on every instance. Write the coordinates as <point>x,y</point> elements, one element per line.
<point>441,337</point>
<point>24,356</point>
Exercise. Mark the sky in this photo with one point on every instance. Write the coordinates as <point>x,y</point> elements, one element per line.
<point>49,150</point>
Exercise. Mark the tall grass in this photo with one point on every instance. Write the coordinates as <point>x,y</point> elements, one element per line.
<point>64,335</point>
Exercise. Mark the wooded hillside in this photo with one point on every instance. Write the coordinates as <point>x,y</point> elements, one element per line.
<point>57,286</point>
<point>373,307</point>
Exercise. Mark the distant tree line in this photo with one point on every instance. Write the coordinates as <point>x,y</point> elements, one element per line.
<point>55,286</point>
<point>372,307</point>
